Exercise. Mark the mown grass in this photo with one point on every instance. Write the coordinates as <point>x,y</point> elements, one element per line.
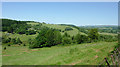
<point>77,54</point>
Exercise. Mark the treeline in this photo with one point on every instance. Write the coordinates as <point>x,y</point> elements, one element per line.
<point>101,28</point>
<point>19,27</point>
<point>51,37</point>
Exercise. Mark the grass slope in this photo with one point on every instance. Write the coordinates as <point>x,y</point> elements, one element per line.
<point>61,27</point>
<point>0,54</point>
<point>24,38</point>
<point>109,34</point>
<point>79,54</point>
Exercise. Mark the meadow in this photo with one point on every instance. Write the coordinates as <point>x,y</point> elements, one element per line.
<point>0,55</point>
<point>75,54</point>
<point>72,48</point>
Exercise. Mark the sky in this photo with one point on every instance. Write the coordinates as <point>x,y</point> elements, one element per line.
<point>77,13</point>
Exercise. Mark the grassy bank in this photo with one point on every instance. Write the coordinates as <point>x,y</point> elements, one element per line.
<point>77,54</point>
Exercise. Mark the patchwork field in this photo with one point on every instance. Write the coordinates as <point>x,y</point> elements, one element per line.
<point>76,54</point>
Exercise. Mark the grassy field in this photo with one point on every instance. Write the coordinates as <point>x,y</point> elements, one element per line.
<point>33,23</point>
<point>77,54</point>
<point>108,34</point>
<point>0,55</point>
<point>24,38</point>
<point>61,27</point>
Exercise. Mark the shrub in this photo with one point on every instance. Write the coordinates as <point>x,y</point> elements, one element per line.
<point>9,45</point>
<point>81,38</point>
<point>107,38</point>
<point>66,40</point>
<point>68,29</point>
<point>46,38</point>
<point>18,41</point>
<point>66,35</point>
<point>5,48</point>
<point>24,45</point>
<point>93,34</point>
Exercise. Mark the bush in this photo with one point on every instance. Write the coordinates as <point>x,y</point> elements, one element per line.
<point>81,38</point>
<point>6,40</point>
<point>13,40</point>
<point>30,32</point>
<point>24,45</point>
<point>93,34</point>
<point>107,38</point>
<point>66,35</point>
<point>18,41</point>
<point>68,29</point>
<point>9,45</point>
<point>46,38</point>
<point>66,40</point>
<point>5,48</point>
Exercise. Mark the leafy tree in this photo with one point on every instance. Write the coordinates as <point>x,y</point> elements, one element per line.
<point>18,41</point>
<point>68,29</point>
<point>13,40</point>
<point>66,40</point>
<point>46,38</point>
<point>49,38</point>
<point>81,38</point>
<point>93,34</point>
<point>66,35</point>
<point>57,37</point>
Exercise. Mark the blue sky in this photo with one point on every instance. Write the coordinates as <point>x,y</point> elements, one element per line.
<point>77,13</point>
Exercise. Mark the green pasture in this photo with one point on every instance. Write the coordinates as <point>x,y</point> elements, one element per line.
<point>0,54</point>
<point>23,37</point>
<point>75,54</point>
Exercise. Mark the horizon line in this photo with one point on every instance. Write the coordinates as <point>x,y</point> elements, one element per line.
<point>64,23</point>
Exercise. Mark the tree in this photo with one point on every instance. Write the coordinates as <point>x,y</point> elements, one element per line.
<point>18,41</point>
<point>46,38</point>
<point>49,37</point>
<point>66,35</point>
<point>81,38</point>
<point>68,29</point>
<point>78,39</point>
<point>13,40</point>
<point>40,40</point>
<point>93,34</point>
<point>66,40</point>
<point>57,37</point>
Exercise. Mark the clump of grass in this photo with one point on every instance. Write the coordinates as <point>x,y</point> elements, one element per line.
<point>73,50</point>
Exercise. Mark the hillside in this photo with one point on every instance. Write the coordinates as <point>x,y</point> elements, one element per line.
<point>58,43</point>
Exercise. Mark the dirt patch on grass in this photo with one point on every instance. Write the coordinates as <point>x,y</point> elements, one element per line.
<point>3,52</point>
<point>6,55</point>
<point>97,50</point>
<point>34,50</point>
<point>96,56</point>
<point>74,63</point>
